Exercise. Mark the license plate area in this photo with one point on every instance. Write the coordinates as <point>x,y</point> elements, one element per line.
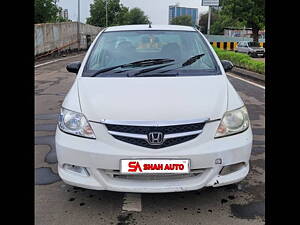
<point>154,166</point>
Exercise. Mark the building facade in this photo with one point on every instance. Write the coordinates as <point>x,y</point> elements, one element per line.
<point>175,11</point>
<point>66,14</point>
<point>240,32</point>
<point>63,13</point>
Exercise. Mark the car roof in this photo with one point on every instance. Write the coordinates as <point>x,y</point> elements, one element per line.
<point>146,27</point>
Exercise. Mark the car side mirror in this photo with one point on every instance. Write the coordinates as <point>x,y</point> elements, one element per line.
<point>227,65</point>
<point>73,67</point>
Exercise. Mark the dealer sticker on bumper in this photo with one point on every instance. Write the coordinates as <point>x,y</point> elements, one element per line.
<point>152,166</point>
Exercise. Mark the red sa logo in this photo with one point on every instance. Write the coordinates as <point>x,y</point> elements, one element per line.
<point>134,167</point>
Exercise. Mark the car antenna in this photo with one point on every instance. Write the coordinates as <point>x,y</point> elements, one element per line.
<point>150,24</point>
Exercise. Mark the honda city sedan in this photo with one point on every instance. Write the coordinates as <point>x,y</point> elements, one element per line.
<point>151,110</point>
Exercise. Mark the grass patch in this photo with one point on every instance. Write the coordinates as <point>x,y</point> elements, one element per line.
<point>241,60</point>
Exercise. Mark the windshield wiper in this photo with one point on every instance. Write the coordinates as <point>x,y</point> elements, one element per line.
<point>142,63</point>
<point>140,73</point>
<point>188,62</point>
<point>191,60</point>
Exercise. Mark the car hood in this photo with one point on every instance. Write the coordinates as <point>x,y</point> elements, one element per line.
<point>153,98</point>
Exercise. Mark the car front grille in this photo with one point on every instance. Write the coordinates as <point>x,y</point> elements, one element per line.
<point>172,132</point>
<point>147,129</point>
<point>144,143</point>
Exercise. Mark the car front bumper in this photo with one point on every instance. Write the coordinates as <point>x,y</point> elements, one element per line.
<point>102,158</point>
<point>259,53</point>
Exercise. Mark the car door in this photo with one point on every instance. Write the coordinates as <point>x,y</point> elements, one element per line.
<point>243,47</point>
<point>239,47</point>
<point>247,48</point>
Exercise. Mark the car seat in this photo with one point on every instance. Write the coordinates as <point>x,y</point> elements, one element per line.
<point>171,51</point>
<point>126,52</point>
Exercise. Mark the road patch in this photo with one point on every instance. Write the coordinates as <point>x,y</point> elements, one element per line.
<point>132,202</point>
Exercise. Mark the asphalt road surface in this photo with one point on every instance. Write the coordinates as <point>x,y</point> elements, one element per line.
<point>59,203</point>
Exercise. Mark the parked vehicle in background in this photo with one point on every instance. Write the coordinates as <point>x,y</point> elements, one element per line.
<point>251,48</point>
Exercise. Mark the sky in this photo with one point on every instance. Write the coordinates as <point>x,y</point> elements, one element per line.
<point>157,10</point>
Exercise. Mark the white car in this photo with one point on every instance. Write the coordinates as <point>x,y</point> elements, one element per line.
<point>251,48</point>
<point>151,110</point>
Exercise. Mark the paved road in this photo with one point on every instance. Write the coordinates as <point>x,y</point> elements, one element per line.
<point>59,203</point>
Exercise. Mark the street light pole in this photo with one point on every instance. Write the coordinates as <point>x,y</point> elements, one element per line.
<point>208,22</point>
<point>106,14</point>
<point>78,25</point>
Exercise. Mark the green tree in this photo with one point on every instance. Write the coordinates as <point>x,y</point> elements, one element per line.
<point>136,16</point>
<point>182,20</point>
<point>98,12</point>
<point>237,13</point>
<point>122,16</point>
<point>117,14</point>
<point>45,11</point>
<point>203,21</point>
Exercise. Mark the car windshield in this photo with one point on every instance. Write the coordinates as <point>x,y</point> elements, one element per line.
<point>253,44</point>
<point>170,49</point>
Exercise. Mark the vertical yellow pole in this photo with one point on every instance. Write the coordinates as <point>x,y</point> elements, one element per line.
<point>221,45</point>
<point>235,45</point>
<point>228,45</point>
<point>261,44</point>
<point>215,44</point>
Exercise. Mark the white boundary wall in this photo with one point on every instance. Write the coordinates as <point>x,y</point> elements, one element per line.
<point>49,36</point>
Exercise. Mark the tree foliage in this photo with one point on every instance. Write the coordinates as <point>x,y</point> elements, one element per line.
<point>136,16</point>
<point>117,14</point>
<point>45,11</point>
<point>182,20</point>
<point>237,13</point>
<point>203,21</point>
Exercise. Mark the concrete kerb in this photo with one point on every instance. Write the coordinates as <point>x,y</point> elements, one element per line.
<point>248,74</point>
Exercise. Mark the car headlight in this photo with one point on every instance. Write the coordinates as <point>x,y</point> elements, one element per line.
<point>75,123</point>
<point>233,122</point>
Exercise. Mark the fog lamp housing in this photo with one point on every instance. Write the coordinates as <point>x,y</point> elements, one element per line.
<point>232,168</point>
<point>79,170</point>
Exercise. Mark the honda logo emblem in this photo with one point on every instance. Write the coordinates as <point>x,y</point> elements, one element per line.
<point>155,138</point>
